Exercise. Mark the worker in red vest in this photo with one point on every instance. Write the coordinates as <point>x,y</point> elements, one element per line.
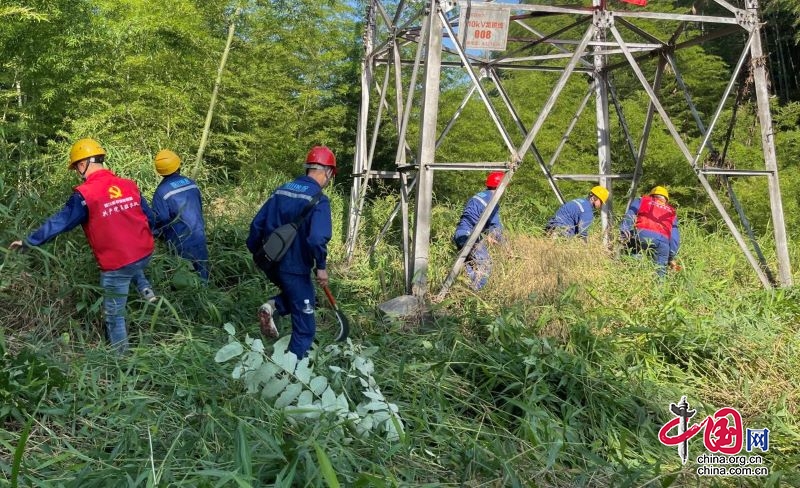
<point>117,222</point>
<point>651,225</point>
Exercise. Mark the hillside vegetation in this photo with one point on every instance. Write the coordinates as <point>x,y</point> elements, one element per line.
<point>559,373</point>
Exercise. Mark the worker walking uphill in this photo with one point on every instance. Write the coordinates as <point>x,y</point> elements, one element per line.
<point>574,217</point>
<point>178,209</point>
<point>309,250</point>
<point>479,263</point>
<point>651,225</point>
<point>117,223</point>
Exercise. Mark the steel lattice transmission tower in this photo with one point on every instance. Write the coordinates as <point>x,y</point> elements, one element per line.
<point>594,40</point>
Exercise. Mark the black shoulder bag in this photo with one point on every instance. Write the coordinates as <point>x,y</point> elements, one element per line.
<point>278,242</point>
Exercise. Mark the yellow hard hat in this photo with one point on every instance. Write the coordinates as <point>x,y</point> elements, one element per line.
<point>84,148</point>
<point>660,190</point>
<point>167,162</point>
<point>601,193</point>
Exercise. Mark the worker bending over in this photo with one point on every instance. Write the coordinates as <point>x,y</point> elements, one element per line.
<point>651,226</point>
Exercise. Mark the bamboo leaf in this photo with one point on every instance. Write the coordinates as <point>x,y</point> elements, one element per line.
<point>275,387</point>
<point>303,371</point>
<point>253,360</point>
<point>286,360</point>
<point>238,371</point>
<point>305,398</point>
<point>373,395</point>
<point>318,385</point>
<point>262,375</point>
<point>242,451</point>
<point>281,346</point>
<point>258,346</point>
<point>326,468</point>
<point>228,352</point>
<point>19,451</point>
<point>328,399</point>
<point>341,402</point>
<point>289,395</point>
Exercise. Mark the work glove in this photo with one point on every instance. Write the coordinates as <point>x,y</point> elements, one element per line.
<point>674,266</point>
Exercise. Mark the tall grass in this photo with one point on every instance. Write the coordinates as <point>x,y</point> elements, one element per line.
<point>559,373</point>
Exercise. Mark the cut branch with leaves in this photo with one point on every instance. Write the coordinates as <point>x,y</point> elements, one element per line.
<point>297,390</point>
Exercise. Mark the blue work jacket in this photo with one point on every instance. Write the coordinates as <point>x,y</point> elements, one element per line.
<point>573,218</point>
<point>310,248</point>
<point>178,209</point>
<point>472,213</point>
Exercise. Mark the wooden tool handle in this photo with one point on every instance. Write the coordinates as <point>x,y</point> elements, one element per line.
<point>329,295</point>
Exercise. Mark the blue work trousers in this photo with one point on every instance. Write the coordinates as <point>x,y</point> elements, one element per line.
<point>115,295</point>
<point>656,246</point>
<point>478,263</point>
<point>297,298</point>
<point>197,253</point>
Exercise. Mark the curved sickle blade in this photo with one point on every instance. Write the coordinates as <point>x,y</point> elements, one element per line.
<point>344,327</point>
<point>344,324</point>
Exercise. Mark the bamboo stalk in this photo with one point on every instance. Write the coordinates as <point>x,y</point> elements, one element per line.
<point>198,161</point>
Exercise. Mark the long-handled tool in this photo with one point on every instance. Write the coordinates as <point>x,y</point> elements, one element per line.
<point>344,324</point>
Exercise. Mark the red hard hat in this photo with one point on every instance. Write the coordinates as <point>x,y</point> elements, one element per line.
<point>323,156</point>
<point>494,179</point>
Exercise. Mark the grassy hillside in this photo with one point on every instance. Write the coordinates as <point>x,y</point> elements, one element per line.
<point>560,373</point>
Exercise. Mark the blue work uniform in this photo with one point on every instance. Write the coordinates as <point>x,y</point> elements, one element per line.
<point>662,248</point>
<point>309,250</point>
<point>178,209</point>
<point>572,219</point>
<point>479,261</point>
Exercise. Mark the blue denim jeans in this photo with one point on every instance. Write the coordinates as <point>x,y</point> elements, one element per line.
<point>115,295</point>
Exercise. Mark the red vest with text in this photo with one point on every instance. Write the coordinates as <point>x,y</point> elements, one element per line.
<point>117,228</point>
<point>655,216</point>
